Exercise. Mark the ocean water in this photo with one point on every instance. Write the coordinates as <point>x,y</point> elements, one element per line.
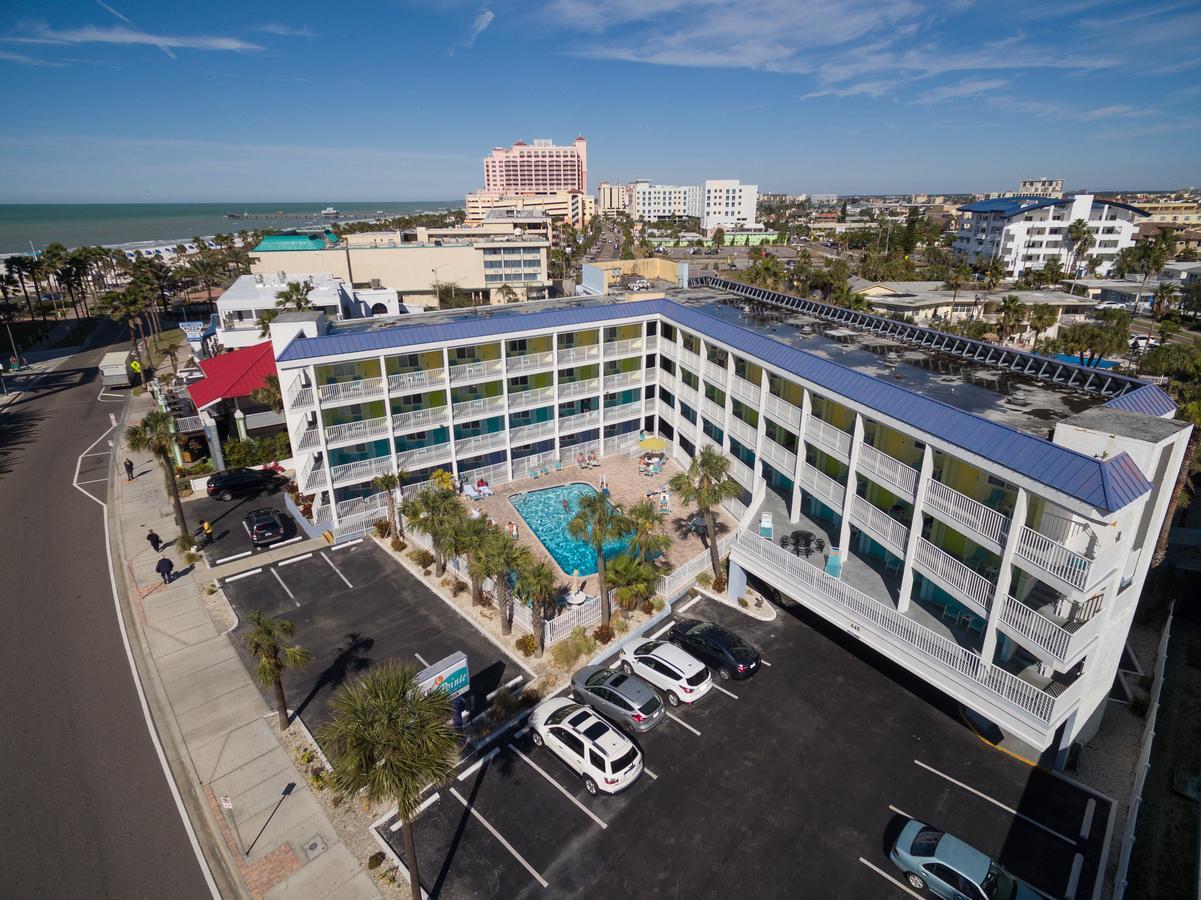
<point>78,224</point>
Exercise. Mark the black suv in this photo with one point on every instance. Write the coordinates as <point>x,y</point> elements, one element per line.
<point>237,482</point>
<point>266,526</point>
<point>715,646</point>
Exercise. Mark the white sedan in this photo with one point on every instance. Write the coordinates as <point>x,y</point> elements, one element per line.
<point>681,677</point>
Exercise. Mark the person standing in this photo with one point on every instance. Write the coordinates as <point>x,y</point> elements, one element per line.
<point>128,469</point>
<point>165,568</point>
<point>207,527</point>
<point>152,538</point>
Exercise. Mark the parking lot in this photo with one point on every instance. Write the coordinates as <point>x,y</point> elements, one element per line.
<point>353,606</point>
<point>231,537</point>
<point>788,784</point>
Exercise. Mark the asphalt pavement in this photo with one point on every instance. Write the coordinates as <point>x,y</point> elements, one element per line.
<point>87,811</point>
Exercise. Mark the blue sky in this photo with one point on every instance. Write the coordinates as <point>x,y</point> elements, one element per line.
<point>145,101</point>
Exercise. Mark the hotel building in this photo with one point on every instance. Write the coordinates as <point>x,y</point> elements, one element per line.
<point>989,516</point>
<point>728,203</point>
<point>1025,232</point>
<point>658,202</point>
<point>539,168</point>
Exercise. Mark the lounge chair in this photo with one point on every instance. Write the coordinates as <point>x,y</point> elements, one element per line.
<point>834,563</point>
<point>534,473</point>
<point>766,528</point>
<point>485,491</point>
<point>558,465</point>
<point>469,490</point>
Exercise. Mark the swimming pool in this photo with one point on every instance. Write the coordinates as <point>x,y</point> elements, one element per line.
<point>544,514</point>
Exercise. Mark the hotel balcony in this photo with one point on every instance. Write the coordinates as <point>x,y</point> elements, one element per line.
<point>982,522</point>
<point>652,343</point>
<point>361,470</point>
<point>1066,569</point>
<point>624,411</point>
<point>688,395</point>
<point>782,411</point>
<point>476,371</point>
<point>955,577</point>
<point>298,396</point>
<point>573,356</point>
<point>1058,639</point>
<point>478,408</point>
<point>741,472</point>
<point>308,439</point>
<point>887,472</point>
<point>354,432</point>
<point>879,525</point>
<point>744,433</point>
<point>650,406</point>
<point>617,380</point>
<point>528,362</point>
<point>528,434</point>
<point>615,349</point>
<point>782,460</point>
<point>821,485</point>
<point>420,457</point>
<point>536,397</point>
<point>689,359</point>
<point>420,419</point>
<point>715,373</point>
<point>409,382</point>
<point>830,438</point>
<point>357,391</point>
<point>745,391</point>
<point>669,349</point>
<point>481,443</point>
<point>585,388</point>
<point>579,421</point>
<point>715,411</point>
<point>312,475</point>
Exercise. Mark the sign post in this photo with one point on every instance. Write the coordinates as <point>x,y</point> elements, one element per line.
<point>227,810</point>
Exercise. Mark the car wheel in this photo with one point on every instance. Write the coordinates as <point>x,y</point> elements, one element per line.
<point>590,786</point>
<point>915,881</point>
<point>724,673</point>
<point>536,738</point>
<point>225,495</point>
<point>627,668</point>
<point>672,698</point>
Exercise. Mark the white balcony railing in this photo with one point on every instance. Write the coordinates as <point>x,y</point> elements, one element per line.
<point>714,373</point>
<point>688,395</point>
<point>480,443</point>
<point>959,508</point>
<point>623,348</point>
<point>689,359</point>
<point>960,580</point>
<point>744,390</point>
<point>578,421</point>
<point>781,459</point>
<point>883,469</point>
<point>313,475</point>
<point>575,355</point>
<point>652,343</point>
<point>299,396</point>
<point>745,433</point>
<point>830,437</point>
<point>715,412</point>
<point>584,388</point>
<point>741,472</point>
<point>650,406</point>
<point>420,418</point>
<point>407,382</point>
<point>423,456</point>
<point>624,411</point>
<point>670,349</point>
<point>821,484</point>
<point>879,525</point>
<point>488,368</point>
<point>478,408</point>
<point>528,434</point>
<point>356,431</point>
<point>921,644</point>
<point>352,391</point>
<point>309,438</point>
<point>529,361</point>
<point>528,399</point>
<point>1054,558</point>
<point>361,470</point>
<point>782,411</point>
<point>622,379</point>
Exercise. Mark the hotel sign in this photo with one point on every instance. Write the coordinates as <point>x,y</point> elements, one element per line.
<point>449,674</point>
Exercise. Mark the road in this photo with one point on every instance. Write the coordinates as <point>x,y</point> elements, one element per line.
<point>87,810</point>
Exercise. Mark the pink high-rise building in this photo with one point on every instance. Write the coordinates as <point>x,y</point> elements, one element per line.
<point>537,168</point>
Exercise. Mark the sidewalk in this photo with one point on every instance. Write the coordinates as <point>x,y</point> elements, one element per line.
<point>213,719</point>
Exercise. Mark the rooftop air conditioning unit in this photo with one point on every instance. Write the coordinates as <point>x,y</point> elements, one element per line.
<point>258,279</point>
<point>376,284</point>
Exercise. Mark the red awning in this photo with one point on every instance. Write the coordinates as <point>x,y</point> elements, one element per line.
<point>234,374</point>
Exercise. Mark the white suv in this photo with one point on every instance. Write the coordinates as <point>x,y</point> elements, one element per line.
<point>682,677</point>
<point>605,758</point>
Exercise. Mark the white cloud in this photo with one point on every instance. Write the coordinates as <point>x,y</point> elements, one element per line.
<point>282,30</point>
<point>22,59</point>
<point>129,22</point>
<point>968,88</point>
<point>478,27</point>
<point>120,35</point>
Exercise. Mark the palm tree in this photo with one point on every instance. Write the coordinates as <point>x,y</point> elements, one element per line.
<point>127,307</point>
<point>156,433</point>
<point>538,582</point>
<point>389,738</point>
<point>269,394</point>
<point>295,296</point>
<point>266,317</point>
<point>437,512</point>
<point>1012,313</point>
<point>267,643</point>
<point>992,272</point>
<point>956,278</point>
<point>388,483</point>
<point>206,270</point>
<point>1080,239</point>
<point>634,580</point>
<point>707,484</point>
<point>171,351</point>
<point>1042,317</point>
<point>649,539</point>
<point>1163,302</point>
<point>499,556</point>
<point>597,522</point>
<point>468,541</point>
<point>19,267</point>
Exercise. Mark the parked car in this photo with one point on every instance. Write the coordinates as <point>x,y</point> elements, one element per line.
<point>681,677</point>
<point>952,869</point>
<point>605,758</point>
<point>1109,304</point>
<point>237,482</point>
<point>266,526</point>
<point>726,652</point>
<point>626,699</point>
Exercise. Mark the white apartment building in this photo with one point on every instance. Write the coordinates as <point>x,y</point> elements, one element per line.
<point>1041,187</point>
<point>997,566</point>
<point>243,303</point>
<point>728,203</point>
<point>612,199</point>
<point>1024,232</point>
<point>658,202</point>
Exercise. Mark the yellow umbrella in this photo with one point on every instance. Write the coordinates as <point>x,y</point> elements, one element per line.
<point>653,444</point>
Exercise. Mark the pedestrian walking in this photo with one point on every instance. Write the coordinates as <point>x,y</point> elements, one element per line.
<point>154,540</point>
<point>207,528</point>
<point>128,469</point>
<point>165,568</point>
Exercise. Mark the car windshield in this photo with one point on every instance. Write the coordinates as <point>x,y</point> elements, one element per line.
<point>560,714</point>
<point>698,676</point>
<point>925,841</point>
<point>650,705</point>
<point>622,762</point>
<point>999,884</point>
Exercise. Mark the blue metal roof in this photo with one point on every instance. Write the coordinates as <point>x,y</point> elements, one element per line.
<point>1012,206</point>
<point>1106,484</point>
<point>1148,399</point>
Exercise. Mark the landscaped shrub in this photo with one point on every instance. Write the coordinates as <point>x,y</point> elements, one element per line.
<point>256,451</point>
<point>526,644</point>
<point>705,580</point>
<point>375,860</point>
<point>398,545</point>
<point>571,648</point>
<point>602,634</point>
<point>422,558</point>
<point>657,604</point>
<point>453,585</point>
<point>381,527</point>
<point>620,627</point>
<point>648,607</point>
<point>719,584</point>
<point>508,703</point>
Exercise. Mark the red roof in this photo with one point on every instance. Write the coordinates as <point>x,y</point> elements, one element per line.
<point>234,374</point>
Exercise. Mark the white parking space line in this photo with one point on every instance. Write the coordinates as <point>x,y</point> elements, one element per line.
<point>681,722</point>
<point>660,631</point>
<point>562,790</point>
<point>496,834</point>
<point>339,571</point>
<point>523,732</point>
<point>765,662</point>
<point>899,812</point>
<point>247,527</point>
<point>93,481</point>
<point>287,589</point>
<point>885,875</point>
<point>718,687</point>
<point>653,776</point>
<point>421,659</point>
<point>691,603</point>
<point>292,540</point>
<point>474,767</point>
<point>1090,809</point>
<point>242,575</point>
<point>344,546</point>
<point>997,803</point>
<point>295,559</point>
<point>226,559</point>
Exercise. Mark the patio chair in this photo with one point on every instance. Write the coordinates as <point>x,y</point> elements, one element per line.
<point>558,465</point>
<point>893,566</point>
<point>819,545</point>
<point>469,490</point>
<point>534,473</point>
<point>766,529</point>
<point>834,563</point>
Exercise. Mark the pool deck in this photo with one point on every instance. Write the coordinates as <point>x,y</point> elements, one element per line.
<point>626,487</point>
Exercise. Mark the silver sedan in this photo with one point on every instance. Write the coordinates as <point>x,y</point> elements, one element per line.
<point>625,699</point>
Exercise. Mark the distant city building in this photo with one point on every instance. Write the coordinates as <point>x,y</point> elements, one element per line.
<point>1025,232</point>
<point>655,202</point>
<point>819,199</point>
<point>1186,238</point>
<point>1042,187</point>
<point>570,207</point>
<point>1172,212</point>
<point>539,168</point>
<point>783,198</point>
<point>727,203</point>
<point>612,199</point>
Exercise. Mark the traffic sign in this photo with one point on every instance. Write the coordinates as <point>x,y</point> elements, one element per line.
<point>135,366</point>
<point>227,803</point>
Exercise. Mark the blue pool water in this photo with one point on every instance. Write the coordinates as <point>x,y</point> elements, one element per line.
<point>544,514</point>
<point>1070,358</point>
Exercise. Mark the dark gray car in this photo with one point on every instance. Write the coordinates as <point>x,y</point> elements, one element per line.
<point>625,699</point>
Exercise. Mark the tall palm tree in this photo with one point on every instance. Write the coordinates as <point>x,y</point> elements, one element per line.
<point>1042,317</point>
<point>707,484</point>
<point>499,557</point>
<point>266,317</point>
<point>437,512</point>
<point>537,582</point>
<point>597,522</point>
<point>1163,302</point>
<point>206,270</point>
<point>19,267</point>
<point>957,278</point>
<point>156,434</point>
<point>1011,314</point>
<point>127,307</point>
<point>1080,239</point>
<point>388,483</point>
<point>268,644</point>
<point>650,540</point>
<point>171,351</point>
<point>468,540</point>
<point>389,738</point>
<point>295,296</point>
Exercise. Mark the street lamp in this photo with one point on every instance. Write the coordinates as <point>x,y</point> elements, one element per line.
<point>437,295</point>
